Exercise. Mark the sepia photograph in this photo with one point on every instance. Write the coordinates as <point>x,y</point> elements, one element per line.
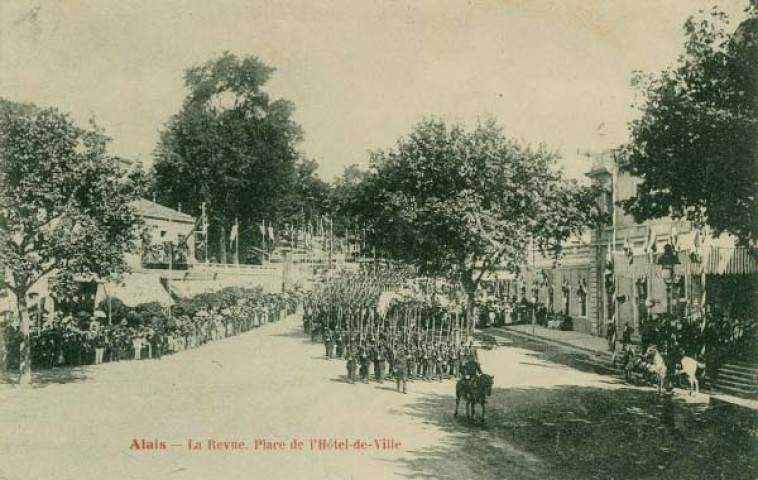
<point>378,239</point>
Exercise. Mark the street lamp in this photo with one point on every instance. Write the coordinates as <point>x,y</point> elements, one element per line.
<point>667,262</point>
<point>534,309</point>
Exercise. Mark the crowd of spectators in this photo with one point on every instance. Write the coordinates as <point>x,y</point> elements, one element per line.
<point>147,331</point>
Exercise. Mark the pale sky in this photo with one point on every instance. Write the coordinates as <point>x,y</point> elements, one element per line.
<point>361,73</point>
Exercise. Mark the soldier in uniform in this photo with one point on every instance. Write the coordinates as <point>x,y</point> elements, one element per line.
<point>401,366</point>
<point>307,316</point>
<point>411,361</point>
<point>439,362</point>
<point>454,362</point>
<point>365,360</point>
<point>471,367</point>
<point>391,356</point>
<point>315,327</point>
<point>340,343</point>
<point>424,361</point>
<point>328,342</point>
<point>351,366</point>
<point>380,361</point>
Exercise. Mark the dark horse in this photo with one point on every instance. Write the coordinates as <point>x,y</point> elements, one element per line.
<point>476,392</point>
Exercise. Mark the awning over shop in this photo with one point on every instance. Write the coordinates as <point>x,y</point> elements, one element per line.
<point>190,288</point>
<point>711,260</point>
<point>136,288</point>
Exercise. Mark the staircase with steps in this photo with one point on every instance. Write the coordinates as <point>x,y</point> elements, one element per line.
<point>739,379</point>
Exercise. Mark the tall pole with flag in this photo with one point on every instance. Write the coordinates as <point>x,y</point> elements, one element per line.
<point>262,228</point>
<point>614,199</point>
<point>205,230</point>
<point>331,241</point>
<point>234,240</point>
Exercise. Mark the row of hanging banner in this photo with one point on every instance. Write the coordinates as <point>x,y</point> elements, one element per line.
<point>709,260</point>
<point>304,236</point>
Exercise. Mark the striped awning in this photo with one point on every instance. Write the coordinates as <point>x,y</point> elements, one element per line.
<point>712,260</point>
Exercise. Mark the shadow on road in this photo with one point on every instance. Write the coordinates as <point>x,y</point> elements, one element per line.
<point>577,432</point>
<point>43,378</point>
<point>294,333</point>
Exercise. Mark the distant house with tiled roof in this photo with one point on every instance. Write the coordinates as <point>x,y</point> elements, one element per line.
<point>166,229</point>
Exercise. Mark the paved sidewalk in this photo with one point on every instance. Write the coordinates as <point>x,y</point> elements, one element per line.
<point>599,347</point>
<point>582,341</point>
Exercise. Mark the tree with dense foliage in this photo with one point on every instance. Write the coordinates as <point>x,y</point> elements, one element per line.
<point>343,192</point>
<point>64,206</point>
<point>460,203</point>
<point>309,197</point>
<point>231,146</point>
<point>695,146</point>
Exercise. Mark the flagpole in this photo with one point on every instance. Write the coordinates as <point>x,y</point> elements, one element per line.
<point>205,231</point>
<point>237,240</point>
<point>614,196</point>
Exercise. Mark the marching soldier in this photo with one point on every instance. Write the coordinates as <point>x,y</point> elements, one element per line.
<point>424,360</point>
<point>401,366</point>
<point>351,366</point>
<point>379,362</point>
<point>340,343</point>
<point>454,361</point>
<point>315,327</point>
<point>411,361</point>
<point>439,362</point>
<point>328,342</point>
<point>391,357</point>
<point>364,359</point>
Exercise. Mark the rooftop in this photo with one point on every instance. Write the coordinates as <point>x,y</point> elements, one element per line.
<point>146,208</point>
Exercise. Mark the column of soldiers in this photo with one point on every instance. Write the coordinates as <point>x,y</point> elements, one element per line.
<point>424,345</point>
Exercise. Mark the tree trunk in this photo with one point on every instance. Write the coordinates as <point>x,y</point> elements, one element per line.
<point>222,243</point>
<point>25,351</point>
<point>470,313</point>
<point>469,286</point>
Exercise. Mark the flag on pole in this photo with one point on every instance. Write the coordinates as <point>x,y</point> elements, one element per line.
<point>233,234</point>
<point>674,238</point>
<point>609,256</point>
<point>271,232</point>
<point>697,242</point>
<point>651,248</point>
<point>629,250</point>
<point>262,227</point>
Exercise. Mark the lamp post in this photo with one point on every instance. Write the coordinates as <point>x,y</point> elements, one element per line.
<point>667,262</point>
<point>534,312</point>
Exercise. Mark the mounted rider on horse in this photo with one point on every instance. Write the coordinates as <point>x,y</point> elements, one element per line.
<point>471,369</point>
<point>474,386</point>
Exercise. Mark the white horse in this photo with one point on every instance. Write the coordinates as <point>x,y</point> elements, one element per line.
<point>689,368</point>
<point>658,367</point>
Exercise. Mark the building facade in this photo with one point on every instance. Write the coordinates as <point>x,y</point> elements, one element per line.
<point>612,275</point>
